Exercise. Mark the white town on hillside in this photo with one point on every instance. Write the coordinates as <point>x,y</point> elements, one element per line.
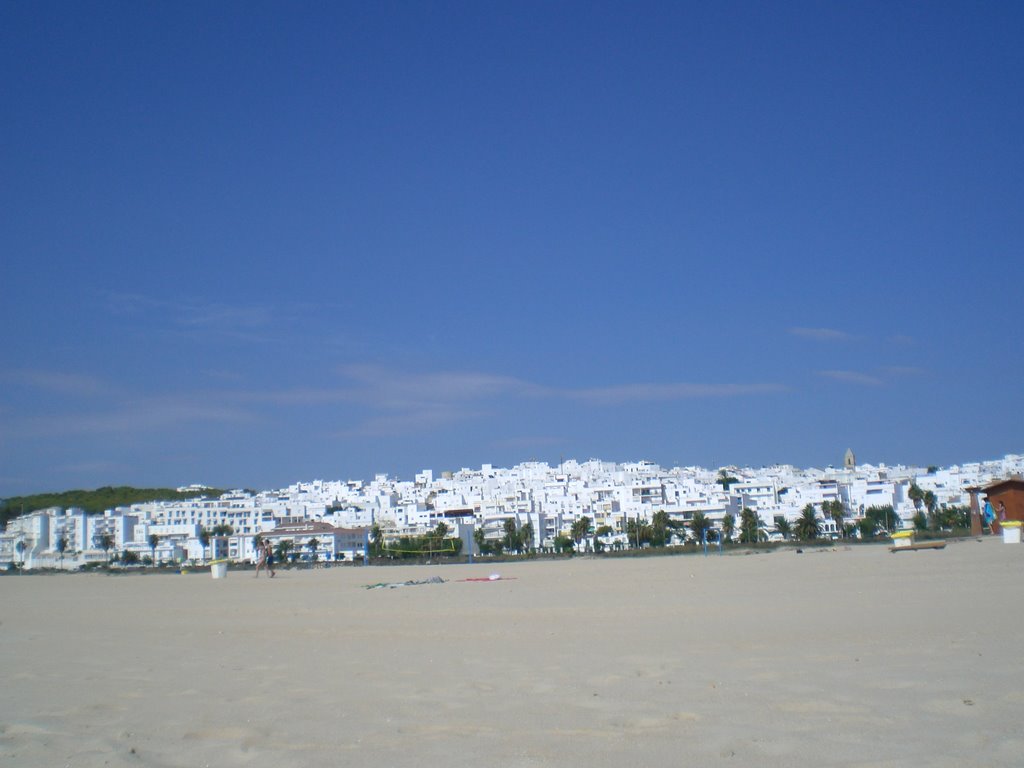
<point>330,520</point>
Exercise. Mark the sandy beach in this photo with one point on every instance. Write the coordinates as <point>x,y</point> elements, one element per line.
<point>842,656</point>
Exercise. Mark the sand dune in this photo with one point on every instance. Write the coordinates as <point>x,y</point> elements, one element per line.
<point>844,657</point>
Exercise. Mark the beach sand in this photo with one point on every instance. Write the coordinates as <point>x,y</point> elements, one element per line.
<point>834,657</point>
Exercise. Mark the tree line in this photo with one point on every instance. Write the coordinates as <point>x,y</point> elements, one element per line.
<point>95,501</point>
<point>435,543</point>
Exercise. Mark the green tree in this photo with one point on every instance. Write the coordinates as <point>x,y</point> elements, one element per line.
<point>661,528</point>
<point>728,526</point>
<point>835,510</point>
<point>564,544</point>
<point>699,526</point>
<point>749,523</point>
<point>526,537</point>
<point>62,545</point>
<point>915,494</point>
<point>95,502</point>
<point>807,526</point>
<point>433,543</point>
<point>725,479</point>
<point>313,545</point>
<point>481,541</point>
<point>283,549</point>
<point>204,540</point>
<point>105,541</point>
<point>884,516</point>
<point>512,540</point>
<point>154,542</point>
<point>580,528</point>
<point>376,540</point>
<point>782,526</point>
<point>931,503</point>
<point>20,548</point>
<point>129,558</point>
<point>920,521</point>
<point>867,527</point>
<point>955,516</point>
<point>637,532</point>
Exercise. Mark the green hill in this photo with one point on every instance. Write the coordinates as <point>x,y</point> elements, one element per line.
<point>95,501</point>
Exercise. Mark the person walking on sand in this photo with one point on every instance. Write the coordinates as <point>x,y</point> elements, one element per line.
<point>270,559</point>
<point>261,557</point>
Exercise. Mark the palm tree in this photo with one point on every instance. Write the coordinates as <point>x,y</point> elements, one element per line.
<point>637,532</point>
<point>580,529</point>
<point>915,494</point>
<point>62,545</point>
<point>154,542</point>
<point>699,526</point>
<point>512,541</point>
<point>105,541</point>
<point>481,541</point>
<point>930,503</point>
<point>728,526</point>
<point>661,524</point>
<point>749,522</point>
<point>376,540</point>
<point>313,545</point>
<point>725,479</point>
<point>433,541</point>
<point>284,546</point>
<point>807,527</point>
<point>526,536</point>
<point>20,547</point>
<point>834,509</point>
<point>204,540</point>
<point>782,526</point>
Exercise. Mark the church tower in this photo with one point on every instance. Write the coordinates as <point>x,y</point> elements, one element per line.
<point>849,460</point>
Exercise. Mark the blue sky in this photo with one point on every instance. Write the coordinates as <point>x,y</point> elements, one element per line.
<point>247,244</point>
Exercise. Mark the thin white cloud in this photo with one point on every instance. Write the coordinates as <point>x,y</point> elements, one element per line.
<point>853,377</point>
<point>666,392</point>
<point>377,400</point>
<point>420,401</point>
<point>145,414</point>
<point>821,334</point>
<point>528,442</point>
<point>255,323</point>
<point>99,466</point>
<point>393,388</point>
<point>58,382</point>
<point>904,370</point>
<point>412,420</point>
<point>192,312</point>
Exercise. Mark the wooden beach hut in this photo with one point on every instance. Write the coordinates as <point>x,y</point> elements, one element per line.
<point>1011,494</point>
